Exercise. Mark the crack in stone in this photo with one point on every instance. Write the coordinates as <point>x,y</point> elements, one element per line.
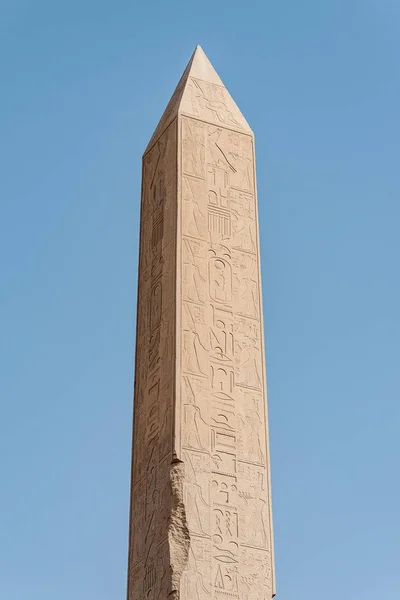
<point>178,531</point>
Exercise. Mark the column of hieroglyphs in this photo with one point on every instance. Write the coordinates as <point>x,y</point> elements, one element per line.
<point>200,506</point>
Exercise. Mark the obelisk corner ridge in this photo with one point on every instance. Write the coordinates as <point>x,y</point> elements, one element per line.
<point>201,94</point>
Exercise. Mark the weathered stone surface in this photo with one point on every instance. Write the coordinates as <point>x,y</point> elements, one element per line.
<point>200,522</point>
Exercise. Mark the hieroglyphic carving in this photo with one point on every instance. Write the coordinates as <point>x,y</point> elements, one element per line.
<point>220,275</point>
<point>194,344</point>
<point>251,427</point>
<point>195,414</point>
<point>196,492</point>
<point>221,334</point>
<point>195,581</point>
<point>222,353</point>
<point>154,381</point>
<point>246,284</point>
<point>219,215</point>
<point>211,102</point>
<point>193,148</point>
<point>256,580</point>
<point>200,471</point>
<point>192,197</point>
<point>243,221</point>
<point>194,275</point>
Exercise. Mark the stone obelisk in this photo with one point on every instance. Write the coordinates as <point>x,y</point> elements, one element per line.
<point>200,520</point>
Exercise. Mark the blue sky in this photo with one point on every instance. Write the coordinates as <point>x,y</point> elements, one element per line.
<point>83,86</point>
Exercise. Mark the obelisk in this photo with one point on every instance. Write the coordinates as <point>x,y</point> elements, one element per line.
<point>200,520</point>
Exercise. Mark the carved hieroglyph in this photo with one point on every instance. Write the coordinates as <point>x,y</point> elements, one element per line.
<point>200,522</point>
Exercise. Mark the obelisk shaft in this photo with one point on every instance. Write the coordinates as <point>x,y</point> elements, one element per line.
<point>200,524</point>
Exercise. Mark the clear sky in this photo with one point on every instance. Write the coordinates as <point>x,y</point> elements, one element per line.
<point>83,84</point>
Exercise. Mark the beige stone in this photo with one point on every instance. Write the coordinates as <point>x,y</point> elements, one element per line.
<point>200,521</point>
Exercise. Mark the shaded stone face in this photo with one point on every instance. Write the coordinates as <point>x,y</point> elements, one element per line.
<point>200,522</point>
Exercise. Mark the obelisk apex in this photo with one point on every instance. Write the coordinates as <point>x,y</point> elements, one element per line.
<point>200,521</point>
<point>190,97</point>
